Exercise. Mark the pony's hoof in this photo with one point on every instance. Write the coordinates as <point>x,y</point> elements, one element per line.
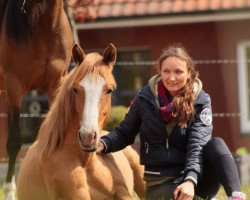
<point>10,190</point>
<point>10,196</point>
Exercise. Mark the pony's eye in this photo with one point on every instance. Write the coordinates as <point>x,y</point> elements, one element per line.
<point>110,90</point>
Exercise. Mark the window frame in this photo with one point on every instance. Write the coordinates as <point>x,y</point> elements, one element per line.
<point>121,92</point>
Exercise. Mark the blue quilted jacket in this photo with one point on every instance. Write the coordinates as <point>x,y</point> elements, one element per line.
<point>175,154</point>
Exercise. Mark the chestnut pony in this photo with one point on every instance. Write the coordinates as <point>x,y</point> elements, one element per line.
<point>35,49</point>
<point>63,163</point>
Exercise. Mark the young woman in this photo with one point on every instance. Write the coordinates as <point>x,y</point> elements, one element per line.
<point>174,118</point>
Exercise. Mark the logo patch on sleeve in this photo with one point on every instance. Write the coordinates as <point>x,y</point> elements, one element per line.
<point>206,116</point>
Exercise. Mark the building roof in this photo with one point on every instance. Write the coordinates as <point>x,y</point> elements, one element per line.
<point>108,9</point>
<point>126,8</point>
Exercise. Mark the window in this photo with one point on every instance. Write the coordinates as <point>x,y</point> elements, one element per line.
<point>243,54</point>
<point>130,74</point>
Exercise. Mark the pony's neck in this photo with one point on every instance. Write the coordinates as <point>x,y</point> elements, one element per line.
<point>86,158</point>
<point>71,144</point>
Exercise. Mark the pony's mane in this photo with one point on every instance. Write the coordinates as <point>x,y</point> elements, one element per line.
<point>63,110</point>
<point>19,24</point>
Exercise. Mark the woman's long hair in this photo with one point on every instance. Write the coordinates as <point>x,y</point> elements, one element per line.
<point>184,100</point>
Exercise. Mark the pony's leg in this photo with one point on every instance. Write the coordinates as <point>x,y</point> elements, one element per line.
<point>84,195</point>
<point>13,146</point>
<point>138,170</point>
<point>121,193</point>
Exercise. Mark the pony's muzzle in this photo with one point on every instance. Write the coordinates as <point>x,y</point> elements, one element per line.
<point>87,140</point>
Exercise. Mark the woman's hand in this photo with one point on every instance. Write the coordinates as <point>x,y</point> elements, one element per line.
<point>184,191</point>
<point>100,147</point>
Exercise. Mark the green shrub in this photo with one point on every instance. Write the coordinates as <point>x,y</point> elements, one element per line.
<point>241,151</point>
<point>116,116</point>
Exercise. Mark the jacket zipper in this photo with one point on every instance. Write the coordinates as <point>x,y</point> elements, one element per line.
<point>146,143</point>
<point>147,147</point>
<point>167,144</point>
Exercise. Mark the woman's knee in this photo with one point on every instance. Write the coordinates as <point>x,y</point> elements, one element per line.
<point>162,191</point>
<point>215,148</point>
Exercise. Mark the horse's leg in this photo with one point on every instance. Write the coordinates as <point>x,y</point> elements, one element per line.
<point>51,89</point>
<point>121,193</point>
<point>134,161</point>
<point>14,144</point>
<point>83,195</point>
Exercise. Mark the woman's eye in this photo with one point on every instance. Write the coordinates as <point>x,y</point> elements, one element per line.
<point>178,72</point>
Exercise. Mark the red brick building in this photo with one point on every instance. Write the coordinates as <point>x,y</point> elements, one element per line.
<point>216,33</point>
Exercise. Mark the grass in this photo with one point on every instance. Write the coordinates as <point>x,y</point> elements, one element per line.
<point>221,195</point>
<point>1,194</point>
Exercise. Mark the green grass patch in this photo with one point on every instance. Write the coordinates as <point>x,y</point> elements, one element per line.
<point>220,196</point>
<point>1,194</point>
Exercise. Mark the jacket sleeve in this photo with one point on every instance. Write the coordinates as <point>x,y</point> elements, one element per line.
<point>199,133</point>
<point>126,132</point>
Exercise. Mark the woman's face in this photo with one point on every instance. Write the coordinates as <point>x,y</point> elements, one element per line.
<point>174,74</point>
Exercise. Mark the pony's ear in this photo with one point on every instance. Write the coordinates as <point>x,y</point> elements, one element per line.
<point>77,54</point>
<point>109,55</point>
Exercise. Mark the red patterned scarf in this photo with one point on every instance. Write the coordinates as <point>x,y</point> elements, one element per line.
<point>166,104</point>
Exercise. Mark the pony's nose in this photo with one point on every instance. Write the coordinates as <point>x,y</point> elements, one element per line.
<point>88,138</point>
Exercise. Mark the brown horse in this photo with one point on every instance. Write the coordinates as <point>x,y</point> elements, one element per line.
<point>35,49</point>
<point>63,163</point>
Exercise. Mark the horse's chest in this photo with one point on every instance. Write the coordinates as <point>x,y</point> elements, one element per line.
<point>103,179</point>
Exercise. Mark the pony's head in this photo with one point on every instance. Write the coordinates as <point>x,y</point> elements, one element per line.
<point>93,86</point>
<point>83,102</point>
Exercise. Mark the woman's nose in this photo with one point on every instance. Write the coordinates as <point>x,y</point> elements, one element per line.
<point>171,77</point>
